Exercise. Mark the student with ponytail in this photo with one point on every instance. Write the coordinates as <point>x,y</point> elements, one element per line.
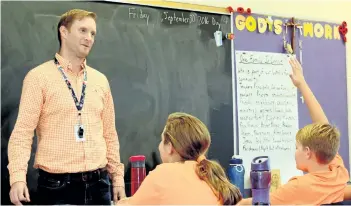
<point>186,176</point>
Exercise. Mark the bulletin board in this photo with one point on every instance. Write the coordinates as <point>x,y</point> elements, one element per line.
<point>321,49</point>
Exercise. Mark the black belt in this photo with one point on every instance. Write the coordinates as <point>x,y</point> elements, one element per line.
<point>94,175</point>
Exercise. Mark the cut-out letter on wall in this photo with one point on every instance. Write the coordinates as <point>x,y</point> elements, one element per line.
<point>336,32</point>
<point>278,26</point>
<point>318,30</point>
<point>308,29</point>
<point>251,23</point>
<point>328,32</point>
<point>262,25</point>
<point>240,22</point>
<point>270,23</point>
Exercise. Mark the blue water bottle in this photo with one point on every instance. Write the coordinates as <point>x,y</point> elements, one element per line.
<point>236,173</point>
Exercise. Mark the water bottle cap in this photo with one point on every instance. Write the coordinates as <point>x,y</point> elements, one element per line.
<point>236,159</point>
<point>260,164</point>
<point>137,158</point>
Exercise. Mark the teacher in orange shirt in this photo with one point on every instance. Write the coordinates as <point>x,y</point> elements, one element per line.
<point>70,107</point>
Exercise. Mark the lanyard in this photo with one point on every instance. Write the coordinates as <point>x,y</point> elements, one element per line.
<point>79,104</point>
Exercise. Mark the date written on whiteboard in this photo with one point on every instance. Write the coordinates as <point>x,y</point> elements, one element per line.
<point>138,14</point>
<point>192,18</point>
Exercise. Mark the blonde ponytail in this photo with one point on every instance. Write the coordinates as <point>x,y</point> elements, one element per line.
<point>213,174</point>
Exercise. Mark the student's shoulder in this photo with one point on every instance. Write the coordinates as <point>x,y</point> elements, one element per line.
<point>305,181</point>
<point>290,193</point>
<point>162,172</point>
<point>301,181</point>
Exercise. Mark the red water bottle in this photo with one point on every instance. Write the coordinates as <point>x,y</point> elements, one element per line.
<point>138,172</point>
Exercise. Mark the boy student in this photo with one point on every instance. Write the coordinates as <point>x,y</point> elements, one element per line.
<point>316,153</point>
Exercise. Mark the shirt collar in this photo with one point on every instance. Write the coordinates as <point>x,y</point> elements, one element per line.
<point>67,66</point>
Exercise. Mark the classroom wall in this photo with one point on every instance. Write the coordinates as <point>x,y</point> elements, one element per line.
<point>334,11</point>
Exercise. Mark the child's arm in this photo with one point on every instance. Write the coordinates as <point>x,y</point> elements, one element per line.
<point>315,109</point>
<point>286,194</point>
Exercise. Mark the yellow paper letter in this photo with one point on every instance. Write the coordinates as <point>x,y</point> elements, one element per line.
<point>278,26</point>
<point>328,31</point>
<point>240,22</point>
<point>318,30</point>
<point>251,24</point>
<point>262,25</point>
<point>308,29</point>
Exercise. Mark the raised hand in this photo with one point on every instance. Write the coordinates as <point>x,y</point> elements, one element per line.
<point>297,75</point>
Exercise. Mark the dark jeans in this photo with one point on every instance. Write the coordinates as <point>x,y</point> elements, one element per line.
<point>88,188</point>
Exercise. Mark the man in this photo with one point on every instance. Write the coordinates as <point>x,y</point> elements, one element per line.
<point>71,107</point>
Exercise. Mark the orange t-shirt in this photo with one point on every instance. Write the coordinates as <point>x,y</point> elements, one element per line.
<point>174,184</point>
<point>314,188</point>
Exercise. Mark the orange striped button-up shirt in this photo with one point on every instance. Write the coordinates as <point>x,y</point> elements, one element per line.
<point>47,105</point>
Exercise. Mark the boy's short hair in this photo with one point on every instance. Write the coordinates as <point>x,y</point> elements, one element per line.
<point>322,139</point>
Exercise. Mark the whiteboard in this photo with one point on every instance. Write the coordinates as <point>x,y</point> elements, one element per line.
<point>267,111</point>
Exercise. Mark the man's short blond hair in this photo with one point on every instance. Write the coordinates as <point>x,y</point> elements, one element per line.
<point>322,139</point>
<point>68,18</point>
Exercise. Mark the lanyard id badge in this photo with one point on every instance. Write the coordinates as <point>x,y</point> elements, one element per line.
<point>79,127</point>
<point>79,130</point>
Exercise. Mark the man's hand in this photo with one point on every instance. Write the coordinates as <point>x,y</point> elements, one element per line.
<point>297,76</point>
<point>118,192</point>
<point>19,192</point>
